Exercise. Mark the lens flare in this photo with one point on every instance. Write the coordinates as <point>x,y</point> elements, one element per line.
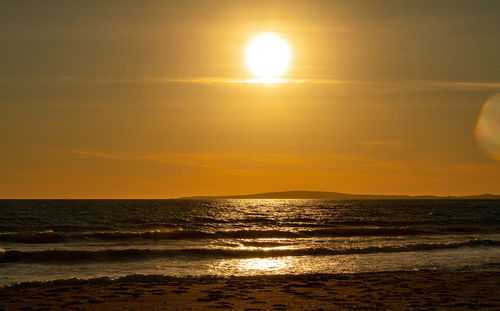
<point>488,128</point>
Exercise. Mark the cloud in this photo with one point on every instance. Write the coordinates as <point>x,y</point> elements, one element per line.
<point>328,166</point>
<point>240,163</point>
<point>387,143</point>
<point>225,163</point>
<point>287,81</point>
<point>93,154</point>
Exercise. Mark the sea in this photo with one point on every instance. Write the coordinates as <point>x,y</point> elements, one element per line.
<point>47,240</point>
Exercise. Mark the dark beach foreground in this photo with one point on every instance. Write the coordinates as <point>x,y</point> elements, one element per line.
<point>367,291</point>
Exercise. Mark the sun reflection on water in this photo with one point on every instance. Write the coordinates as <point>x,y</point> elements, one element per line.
<point>286,265</point>
<point>259,264</point>
<point>256,266</point>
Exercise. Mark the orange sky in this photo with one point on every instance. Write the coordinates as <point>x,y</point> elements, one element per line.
<point>126,99</point>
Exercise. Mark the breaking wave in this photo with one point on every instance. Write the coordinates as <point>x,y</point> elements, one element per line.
<point>179,234</point>
<point>73,256</point>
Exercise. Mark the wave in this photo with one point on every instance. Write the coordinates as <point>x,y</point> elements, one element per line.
<point>54,256</point>
<point>179,234</point>
<point>107,280</point>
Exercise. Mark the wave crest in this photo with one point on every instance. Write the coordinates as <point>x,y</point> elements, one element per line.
<point>144,254</point>
<point>180,234</point>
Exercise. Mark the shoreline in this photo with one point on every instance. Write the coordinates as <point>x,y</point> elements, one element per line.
<point>400,290</point>
<point>166,279</point>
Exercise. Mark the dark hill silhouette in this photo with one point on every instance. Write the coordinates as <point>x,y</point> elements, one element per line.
<point>324,195</point>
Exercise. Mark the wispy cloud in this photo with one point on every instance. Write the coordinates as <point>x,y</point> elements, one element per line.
<point>387,143</point>
<point>237,163</point>
<point>286,81</point>
<point>225,163</point>
<point>93,154</point>
<point>247,164</point>
<point>475,85</point>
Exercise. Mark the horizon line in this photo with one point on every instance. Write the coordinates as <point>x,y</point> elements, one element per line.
<point>251,194</point>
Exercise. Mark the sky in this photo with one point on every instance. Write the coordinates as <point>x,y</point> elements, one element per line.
<point>151,99</point>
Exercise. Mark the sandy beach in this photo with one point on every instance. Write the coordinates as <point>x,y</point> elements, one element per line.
<point>370,291</point>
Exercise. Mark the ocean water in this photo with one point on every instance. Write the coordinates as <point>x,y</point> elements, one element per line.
<point>43,240</point>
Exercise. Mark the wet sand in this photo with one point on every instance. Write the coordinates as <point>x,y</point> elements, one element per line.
<point>369,291</point>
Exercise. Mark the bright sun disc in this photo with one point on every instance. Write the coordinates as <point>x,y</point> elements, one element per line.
<point>268,56</point>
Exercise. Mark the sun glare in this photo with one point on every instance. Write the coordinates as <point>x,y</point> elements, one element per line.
<point>267,57</point>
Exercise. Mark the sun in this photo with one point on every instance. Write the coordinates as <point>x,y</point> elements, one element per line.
<point>267,57</point>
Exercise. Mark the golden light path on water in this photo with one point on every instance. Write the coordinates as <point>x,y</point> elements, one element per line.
<point>355,263</point>
<point>268,264</point>
<point>284,265</point>
<point>488,128</point>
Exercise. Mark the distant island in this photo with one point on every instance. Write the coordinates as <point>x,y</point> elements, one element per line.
<point>324,195</point>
